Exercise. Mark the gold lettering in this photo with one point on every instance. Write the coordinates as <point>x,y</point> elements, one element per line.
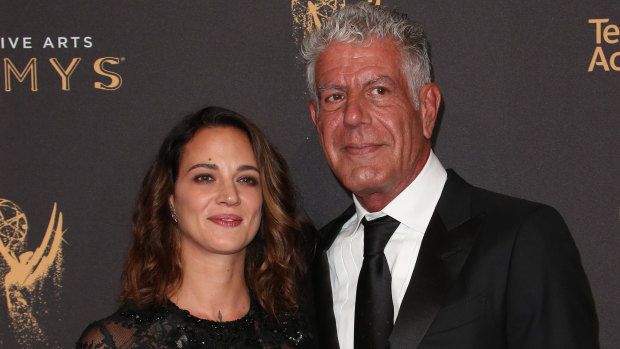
<point>612,61</point>
<point>65,74</point>
<point>598,27</point>
<point>10,69</point>
<point>598,52</point>
<point>610,30</point>
<point>116,79</point>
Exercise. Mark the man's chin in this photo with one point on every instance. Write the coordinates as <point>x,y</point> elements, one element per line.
<point>362,186</point>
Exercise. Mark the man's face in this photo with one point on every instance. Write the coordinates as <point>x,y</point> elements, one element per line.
<point>373,138</point>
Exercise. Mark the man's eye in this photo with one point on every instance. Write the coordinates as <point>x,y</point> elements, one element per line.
<point>248,180</point>
<point>203,178</point>
<point>334,97</point>
<point>379,90</point>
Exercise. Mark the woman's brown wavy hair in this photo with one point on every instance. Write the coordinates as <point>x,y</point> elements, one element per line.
<point>276,260</point>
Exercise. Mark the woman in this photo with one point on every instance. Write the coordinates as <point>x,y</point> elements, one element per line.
<point>219,245</point>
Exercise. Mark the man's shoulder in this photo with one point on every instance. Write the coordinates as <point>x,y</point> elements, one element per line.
<point>499,206</point>
<point>498,202</point>
<point>456,185</point>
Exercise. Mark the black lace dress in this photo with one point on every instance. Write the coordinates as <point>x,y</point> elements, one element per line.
<point>171,327</point>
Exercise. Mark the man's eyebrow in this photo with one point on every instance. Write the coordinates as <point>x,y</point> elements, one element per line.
<point>379,79</point>
<point>329,87</point>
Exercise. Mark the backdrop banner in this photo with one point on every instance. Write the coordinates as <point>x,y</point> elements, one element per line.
<point>531,108</point>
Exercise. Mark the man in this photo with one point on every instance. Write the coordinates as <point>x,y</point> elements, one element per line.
<point>468,268</point>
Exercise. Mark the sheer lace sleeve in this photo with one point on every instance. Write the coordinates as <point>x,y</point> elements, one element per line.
<point>107,333</point>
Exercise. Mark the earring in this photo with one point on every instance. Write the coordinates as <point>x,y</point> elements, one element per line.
<point>173,214</point>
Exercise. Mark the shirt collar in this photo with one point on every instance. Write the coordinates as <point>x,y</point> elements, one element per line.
<point>414,206</point>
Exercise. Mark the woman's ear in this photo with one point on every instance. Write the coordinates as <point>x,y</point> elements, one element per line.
<point>173,211</point>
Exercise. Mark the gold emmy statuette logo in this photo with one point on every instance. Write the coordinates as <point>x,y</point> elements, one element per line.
<point>28,276</point>
<point>309,15</point>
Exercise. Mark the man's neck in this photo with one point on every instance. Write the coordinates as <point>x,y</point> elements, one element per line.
<point>375,201</point>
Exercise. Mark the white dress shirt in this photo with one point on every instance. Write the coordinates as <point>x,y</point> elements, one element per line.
<point>413,208</point>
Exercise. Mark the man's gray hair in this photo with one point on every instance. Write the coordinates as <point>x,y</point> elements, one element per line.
<point>359,24</point>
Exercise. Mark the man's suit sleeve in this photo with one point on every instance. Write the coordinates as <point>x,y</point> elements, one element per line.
<point>549,302</point>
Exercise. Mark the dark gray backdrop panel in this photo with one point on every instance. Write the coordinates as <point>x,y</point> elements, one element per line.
<point>521,115</point>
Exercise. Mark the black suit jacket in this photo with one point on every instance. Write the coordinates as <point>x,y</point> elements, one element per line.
<point>492,272</point>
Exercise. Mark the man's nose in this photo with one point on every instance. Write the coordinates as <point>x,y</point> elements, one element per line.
<point>354,112</point>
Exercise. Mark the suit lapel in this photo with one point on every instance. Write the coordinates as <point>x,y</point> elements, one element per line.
<point>326,322</point>
<point>445,248</point>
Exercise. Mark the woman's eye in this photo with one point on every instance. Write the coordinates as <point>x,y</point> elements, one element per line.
<point>203,178</point>
<point>248,180</point>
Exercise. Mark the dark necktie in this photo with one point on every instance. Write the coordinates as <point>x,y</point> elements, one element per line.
<point>374,310</point>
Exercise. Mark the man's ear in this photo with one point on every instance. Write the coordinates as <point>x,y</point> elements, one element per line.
<point>430,99</point>
<point>314,112</point>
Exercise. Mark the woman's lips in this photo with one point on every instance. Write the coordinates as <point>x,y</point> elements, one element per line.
<point>226,220</point>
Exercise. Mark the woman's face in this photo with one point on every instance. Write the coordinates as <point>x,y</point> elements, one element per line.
<point>217,195</point>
